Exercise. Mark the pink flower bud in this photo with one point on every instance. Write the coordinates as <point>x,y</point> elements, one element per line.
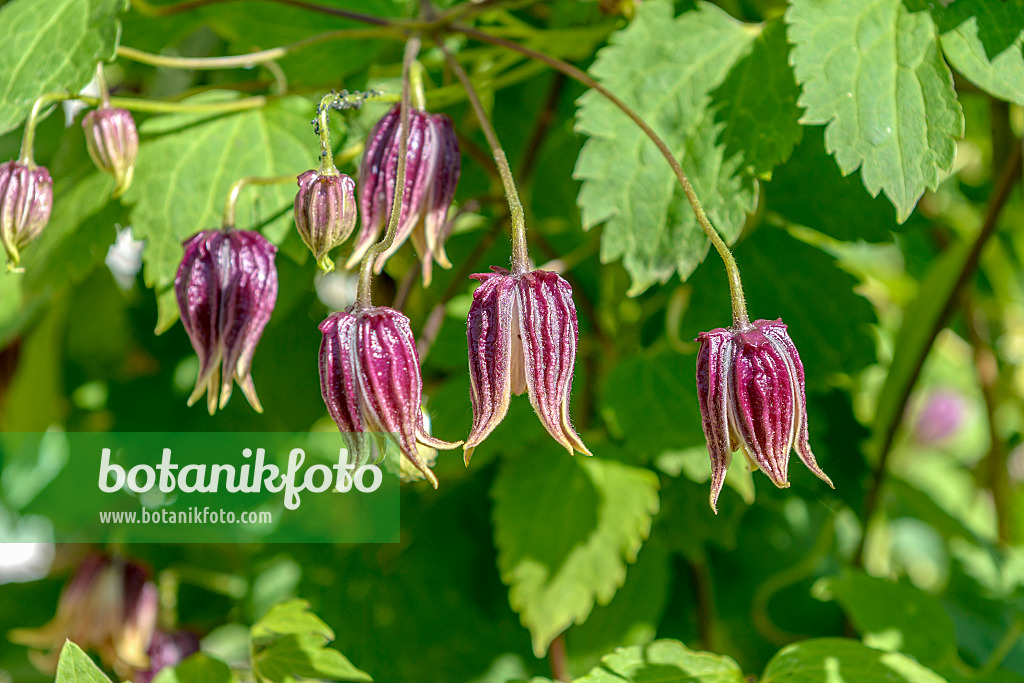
<point>325,213</point>
<point>113,144</point>
<point>26,200</point>
<point>750,385</point>
<point>522,333</point>
<point>109,606</point>
<point>370,380</point>
<point>167,650</point>
<point>226,287</point>
<point>433,165</point>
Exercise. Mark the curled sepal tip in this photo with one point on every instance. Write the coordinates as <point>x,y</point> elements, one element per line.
<point>750,386</point>
<point>522,334</point>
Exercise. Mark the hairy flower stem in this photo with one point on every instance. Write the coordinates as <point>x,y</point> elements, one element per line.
<point>253,58</point>
<point>364,295</point>
<point>520,256</point>
<point>236,189</point>
<point>323,129</point>
<point>739,304</point>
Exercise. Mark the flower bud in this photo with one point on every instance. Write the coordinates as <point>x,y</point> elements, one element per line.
<point>113,143</point>
<point>750,385</point>
<point>226,287</point>
<point>433,164</point>
<point>26,199</point>
<point>522,333</point>
<point>940,417</point>
<point>325,212</point>
<point>370,380</point>
<point>109,606</point>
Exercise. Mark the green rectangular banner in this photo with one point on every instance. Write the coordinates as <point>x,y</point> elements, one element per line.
<point>193,487</point>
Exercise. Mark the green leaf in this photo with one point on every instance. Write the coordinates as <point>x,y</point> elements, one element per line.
<point>304,656</point>
<point>982,40</point>
<point>651,402</point>
<point>632,617</point>
<point>664,661</point>
<point>199,668</point>
<point>872,71</point>
<point>565,529</point>
<point>74,666</point>
<point>291,617</point>
<point>759,104</point>
<point>810,190</point>
<point>897,613</point>
<point>52,45</point>
<point>915,336</point>
<point>666,69</point>
<point>188,162</point>
<point>838,659</point>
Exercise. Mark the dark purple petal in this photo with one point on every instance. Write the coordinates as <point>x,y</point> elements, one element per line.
<point>113,144</point>
<point>26,200</point>
<point>548,334</point>
<point>226,287</point>
<point>489,337</point>
<point>449,166</point>
<point>373,201</point>
<point>167,650</point>
<point>714,372</point>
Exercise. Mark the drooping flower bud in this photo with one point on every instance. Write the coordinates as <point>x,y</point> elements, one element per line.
<point>167,650</point>
<point>325,212</point>
<point>113,144</point>
<point>750,386</point>
<point>109,606</point>
<point>226,287</point>
<point>432,172</point>
<point>370,380</point>
<point>522,333</point>
<point>26,200</point>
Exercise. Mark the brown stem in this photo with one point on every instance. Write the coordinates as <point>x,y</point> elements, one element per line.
<point>559,659</point>
<point>1000,195</point>
<point>541,128</point>
<point>993,467</point>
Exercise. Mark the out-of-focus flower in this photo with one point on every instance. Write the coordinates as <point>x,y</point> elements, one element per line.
<point>370,381</point>
<point>940,417</point>
<point>109,606</point>
<point>26,200</point>
<point>522,333</point>
<point>325,212</point>
<point>124,258</point>
<point>226,288</point>
<point>167,650</point>
<point>750,385</point>
<point>433,165</point>
<point>113,144</point>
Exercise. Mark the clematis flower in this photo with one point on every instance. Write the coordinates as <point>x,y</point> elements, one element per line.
<point>750,385</point>
<point>522,333</point>
<point>370,380</point>
<point>432,172</point>
<point>109,606</point>
<point>226,287</point>
<point>113,144</point>
<point>26,200</point>
<point>325,212</point>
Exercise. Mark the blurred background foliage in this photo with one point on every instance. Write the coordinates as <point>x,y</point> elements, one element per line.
<point>911,332</point>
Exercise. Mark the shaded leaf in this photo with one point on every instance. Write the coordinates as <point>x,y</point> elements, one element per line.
<point>304,656</point>
<point>52,45</point>
<point>871,70</point>
<point>199,668</point>
<point>982,40</point>
<point>664,661</point>
<point>838,659</point>
<point>291,617</point>
<point>565,529</point>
